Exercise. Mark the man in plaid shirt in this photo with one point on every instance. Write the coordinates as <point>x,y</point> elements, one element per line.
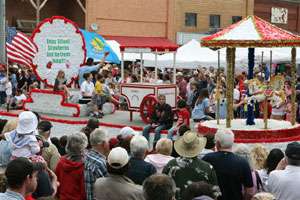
<point>95,161</point>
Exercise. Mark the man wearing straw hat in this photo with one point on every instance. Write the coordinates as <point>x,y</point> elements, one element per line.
<point>188,167</point>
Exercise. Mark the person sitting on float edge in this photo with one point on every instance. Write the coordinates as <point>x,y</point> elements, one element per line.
<point>161,119</point>
<point>87,88</point>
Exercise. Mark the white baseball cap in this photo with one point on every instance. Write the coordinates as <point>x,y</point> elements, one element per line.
<point>117,158</point>
<point>127,131</point>
<point>27,123</point>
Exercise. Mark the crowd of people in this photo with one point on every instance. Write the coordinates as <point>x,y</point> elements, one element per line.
<point>184,166</point>
<point>90,165</point>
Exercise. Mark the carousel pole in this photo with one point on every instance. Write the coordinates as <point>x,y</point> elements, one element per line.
<point>218,91</point>
<point>271,61</point>
<point>122,66</point>
<point>232,81</point>
<point>174,67</point>
<point>266,112</point>
<point>155,65</point>
<point>141,67</point>
<point>293,83</point>
<point>229,89</point>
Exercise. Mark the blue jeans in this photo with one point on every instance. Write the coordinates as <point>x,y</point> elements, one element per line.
<point>148,128</point>
<point>171,132</point>
<point>2,97</point>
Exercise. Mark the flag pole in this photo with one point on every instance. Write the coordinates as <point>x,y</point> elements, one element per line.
<point>2,32</point>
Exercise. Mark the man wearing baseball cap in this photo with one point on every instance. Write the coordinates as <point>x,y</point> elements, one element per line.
<point>117,186</point>
<point>284,182</point>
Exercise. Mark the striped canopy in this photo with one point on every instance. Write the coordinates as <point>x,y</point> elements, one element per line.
<point>252,31</point>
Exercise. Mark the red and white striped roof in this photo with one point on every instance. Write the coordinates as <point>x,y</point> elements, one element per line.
<point>251,32</point>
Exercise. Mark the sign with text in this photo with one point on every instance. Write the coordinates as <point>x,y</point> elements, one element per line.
<point>60,47</point>
<point>279,15</point>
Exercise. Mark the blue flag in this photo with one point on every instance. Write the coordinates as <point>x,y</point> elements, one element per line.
<point>96,46</point>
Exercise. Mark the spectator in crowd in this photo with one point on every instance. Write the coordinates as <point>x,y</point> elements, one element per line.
<point>117,186</point>
<point>46,178</point>
<point>243,151</point>
<point>233,172</point>
<point>50,153</point>
<point>183,119</point>
<point>285,180</point>
<point>162,118</point>
<point>201,191</point>
<point>159,187</point>
<point>181,83</point>
<point>18,100</point>
<point>139,169</point>
<point>201,109</point>
<point>95,161</point>
<point>188,167</point>
<point>263,196</point>
<point>209,147</point>
<point>70,169</point>
<point>21,176</point>
<point>274,157</point>
<point>3,81</point>
<point>23,140</point>
<point>259,155</point>
<point>91,125</point>
<point>162,156</point>
<point>192,94</point>
<point>6,146</point>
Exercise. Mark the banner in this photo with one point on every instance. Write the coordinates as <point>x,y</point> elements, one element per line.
<point>96,46</point>
<point>60,46</point>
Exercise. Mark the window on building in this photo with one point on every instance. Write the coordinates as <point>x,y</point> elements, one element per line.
<point>236,19</point>
<point>214,21</point>
<point>191,19</point>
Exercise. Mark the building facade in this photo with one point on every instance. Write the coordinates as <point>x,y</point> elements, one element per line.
<point>282,13</point>
<point>172,19</point>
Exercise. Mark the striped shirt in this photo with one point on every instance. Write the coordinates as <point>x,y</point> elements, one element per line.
<point>94,168</point>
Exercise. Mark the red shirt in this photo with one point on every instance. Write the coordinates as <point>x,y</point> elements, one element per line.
<point>183,117</point>
<point>70,175</point>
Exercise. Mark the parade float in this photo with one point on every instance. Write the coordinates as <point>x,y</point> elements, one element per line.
<point>253,32</point>
<point>141,97</point>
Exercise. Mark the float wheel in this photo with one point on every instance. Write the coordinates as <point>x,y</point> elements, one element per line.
<point>147,107</point>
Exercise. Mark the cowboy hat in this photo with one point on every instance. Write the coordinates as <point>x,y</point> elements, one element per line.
<point>190,144</point>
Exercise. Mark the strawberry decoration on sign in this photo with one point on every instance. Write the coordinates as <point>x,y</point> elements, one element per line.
<point>49,65</point>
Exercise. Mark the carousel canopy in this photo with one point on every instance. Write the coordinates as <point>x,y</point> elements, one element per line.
<point>252,31</point>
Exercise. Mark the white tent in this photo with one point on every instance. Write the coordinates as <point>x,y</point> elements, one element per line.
<point>129,56</point>
<point>190,55</point>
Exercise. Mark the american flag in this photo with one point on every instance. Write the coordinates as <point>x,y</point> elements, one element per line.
<point>19,47</point>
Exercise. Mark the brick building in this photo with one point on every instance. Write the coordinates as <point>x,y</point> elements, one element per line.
<point>282,13</point>
<point>18,11</point>
<point>177,20</point>
<point>165,18</point>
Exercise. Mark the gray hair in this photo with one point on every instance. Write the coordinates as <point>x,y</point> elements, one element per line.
<point>164,146</point>
<point>76,143</point>
<point>243,151</point>
<point>138,146</point>
<point>98,136</point>
<point>225,137</point>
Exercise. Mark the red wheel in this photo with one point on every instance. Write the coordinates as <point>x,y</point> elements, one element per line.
<point>147,107</point>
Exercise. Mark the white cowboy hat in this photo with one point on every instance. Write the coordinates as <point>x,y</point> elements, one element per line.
<point>190,144</point>
<point>27,123</point>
